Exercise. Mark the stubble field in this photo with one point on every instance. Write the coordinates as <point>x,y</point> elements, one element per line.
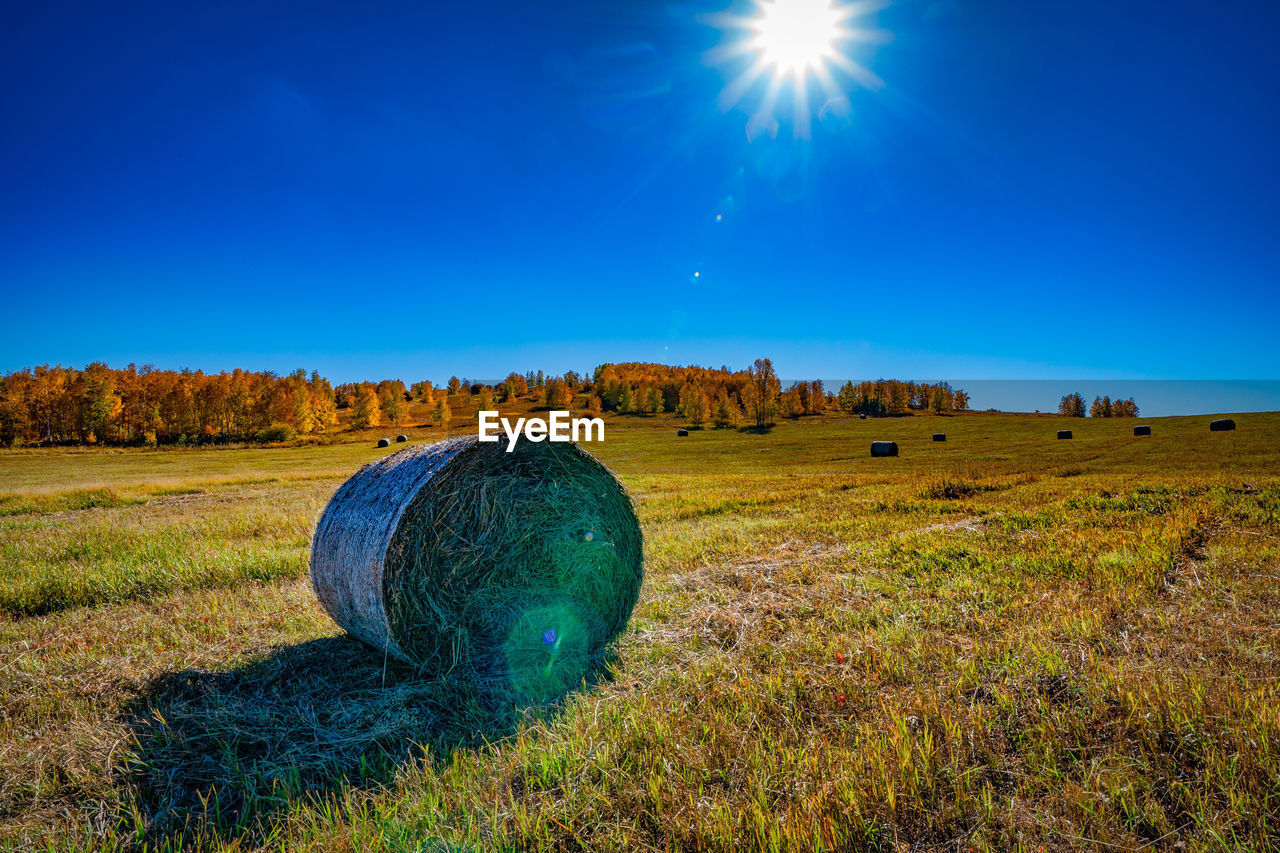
<point>1001,641</point>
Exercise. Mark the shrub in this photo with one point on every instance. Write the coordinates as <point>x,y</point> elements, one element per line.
<point>276,433</point>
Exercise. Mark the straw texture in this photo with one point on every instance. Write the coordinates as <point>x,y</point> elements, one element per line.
<point>513,570</point>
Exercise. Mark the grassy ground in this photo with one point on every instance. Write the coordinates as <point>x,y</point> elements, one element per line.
<point>1001,641</point>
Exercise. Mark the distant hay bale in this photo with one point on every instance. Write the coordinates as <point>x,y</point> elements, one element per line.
<point>513,571</point>
<point>384,442</point>
<point>1222,425</point>
<point>939,436</point>
<point>682,431</point>
<point>1142,430</point>
<point>1064,433</point>
<point>884,448</point>
<point>862,417</point>
<point>400,439</point>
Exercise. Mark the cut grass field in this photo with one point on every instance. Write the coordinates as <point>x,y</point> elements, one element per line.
<point>1001,641</point>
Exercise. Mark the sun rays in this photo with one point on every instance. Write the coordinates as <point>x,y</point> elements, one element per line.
<point>788,44</point>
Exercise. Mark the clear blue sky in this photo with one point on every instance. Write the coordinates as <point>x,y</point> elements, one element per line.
<point>1039,190</point>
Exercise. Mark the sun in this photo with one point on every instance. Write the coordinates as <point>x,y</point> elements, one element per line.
<point>795,46</point>
<point>795,36</point>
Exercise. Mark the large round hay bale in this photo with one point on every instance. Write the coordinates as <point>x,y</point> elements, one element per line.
<point>400,439</point>
<point>1222,425</point>
<point>939,436</point>
<point>514,571</point>
<point>862,417</point>
<point>384,442</point>
<point>682,431</point>
<point>1064,433</point>
<point>1142,430</point>
<point>884,448</point>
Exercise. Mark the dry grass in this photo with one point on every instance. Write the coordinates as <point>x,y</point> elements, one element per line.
<point>998,642</point>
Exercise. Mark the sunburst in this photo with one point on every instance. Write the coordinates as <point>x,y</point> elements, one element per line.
<point>791,43</point>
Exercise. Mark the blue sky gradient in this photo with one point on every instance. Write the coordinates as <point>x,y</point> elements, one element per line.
<point>1039,190</point>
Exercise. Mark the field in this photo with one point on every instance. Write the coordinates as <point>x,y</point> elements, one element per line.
<point>1003,641</point>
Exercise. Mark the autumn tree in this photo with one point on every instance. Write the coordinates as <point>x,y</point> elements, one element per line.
<point>791,404</point>
<point>514,386</point>
<point>1124,408</point>
<point>817,398</point>
<point>1072,406</point>
<point>365,411</point>
<point>423,391</point>
<point>556,394</point>
<point>694,404</point>
<point>324,409</point>
<point>760,393</point>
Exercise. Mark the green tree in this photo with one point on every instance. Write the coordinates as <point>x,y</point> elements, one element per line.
<point>442,414</point>
<point>392,406</point>
<point>938,400</point>
<point>653,400</point>
<point>847,399</point>
<point>726,411</point>
<point>626,400</point>
<point>98,403</point>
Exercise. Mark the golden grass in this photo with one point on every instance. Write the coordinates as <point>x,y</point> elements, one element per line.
<point>998,642</point>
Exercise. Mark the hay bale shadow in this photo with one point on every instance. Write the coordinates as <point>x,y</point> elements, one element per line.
<point>219,753</point>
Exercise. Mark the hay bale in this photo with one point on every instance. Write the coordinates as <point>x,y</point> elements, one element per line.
<point>884,448</point>
<point>512,571</point>
<point>682,431</point>
<point>1222,425</point>
<point>939,436</point>
<point>400,439</point>
<point>1142,430</point>
<point>384,442</point>
<point>862,417</point>
<point>1064,433</point>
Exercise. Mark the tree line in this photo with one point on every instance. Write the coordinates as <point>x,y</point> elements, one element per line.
<point>701,395</point>
<point>1072,406</point>
<point>143,405</point>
